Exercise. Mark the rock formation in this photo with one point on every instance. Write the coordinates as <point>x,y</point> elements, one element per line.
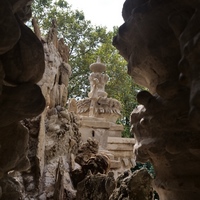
<point>89,162</point>
<point>96,187</point>
<point>39,138</point>
<point>54,135</point>
<point>132,186</point>
<point>160,41</point>
<point>21,67</point>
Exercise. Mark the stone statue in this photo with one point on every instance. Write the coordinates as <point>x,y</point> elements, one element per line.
<point>98,104</point>
<point>97,80</point>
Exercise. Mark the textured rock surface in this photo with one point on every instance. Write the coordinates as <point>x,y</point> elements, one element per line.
<point>133,186</point>
<point>96,187</point>
<point>160,41</point>
<point>89,161</point>
<point>54,135</point>
<point>20,97</point>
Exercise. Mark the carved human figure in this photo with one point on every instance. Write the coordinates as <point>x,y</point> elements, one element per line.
<point>98,81</point>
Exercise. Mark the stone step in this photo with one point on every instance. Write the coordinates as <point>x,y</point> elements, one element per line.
<point>120,147</point>
<point>115,133</point>
<point>122,154</point>
<point>115,164</point>
<point>120,140</point>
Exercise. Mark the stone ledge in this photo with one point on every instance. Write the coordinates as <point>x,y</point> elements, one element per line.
<point>115,164</point>
<point>95,124</point>
<point>119,140</point>
<point>120,147</point>
<point>116,127</point>
<point>122,154</point>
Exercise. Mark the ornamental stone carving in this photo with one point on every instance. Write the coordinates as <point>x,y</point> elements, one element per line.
<point>98,104</point>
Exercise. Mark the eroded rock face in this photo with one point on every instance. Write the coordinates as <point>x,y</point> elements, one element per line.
<point>160,41</point>
<point>99,186</point>
<point>10,189</point>
<point>21,67</point>
<point>132,186</point>
<point>54,135</point>
<point>89,161</point>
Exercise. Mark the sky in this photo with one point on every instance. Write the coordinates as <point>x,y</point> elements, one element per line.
<point>100,12</point>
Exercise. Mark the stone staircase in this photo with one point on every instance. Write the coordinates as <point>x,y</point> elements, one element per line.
<point>120,152</point>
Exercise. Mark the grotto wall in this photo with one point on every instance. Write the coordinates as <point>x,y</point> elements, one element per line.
<point>54,135</point>
<point>160,41</point>
<point>21,67</point>
<point>38,136</point>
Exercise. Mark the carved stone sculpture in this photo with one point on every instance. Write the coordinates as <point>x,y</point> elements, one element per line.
<point>89,160</point>
<point>98,104</point>
<point>98,115</point>
<point>160,41</point>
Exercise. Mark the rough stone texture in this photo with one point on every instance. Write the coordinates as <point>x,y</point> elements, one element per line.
<point>86,150</point>
<point>21,67</point>
<point>54,135</point>
<point>14,146</point>
<point>25,61</point>
<point>10,189</point>
<point>37,154</point>
<point>89,160</point>
<point>160,41</point>
<point>133,186</point>
<point>96,187</point>
<point>57,72</point>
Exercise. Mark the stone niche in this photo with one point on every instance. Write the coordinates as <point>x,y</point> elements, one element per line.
<point>160,41</point>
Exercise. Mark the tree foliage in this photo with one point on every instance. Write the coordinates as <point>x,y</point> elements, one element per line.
<point>86,42</point>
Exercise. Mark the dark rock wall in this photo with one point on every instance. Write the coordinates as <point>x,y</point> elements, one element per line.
<point>160,41</point>
<point>20,97</point>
